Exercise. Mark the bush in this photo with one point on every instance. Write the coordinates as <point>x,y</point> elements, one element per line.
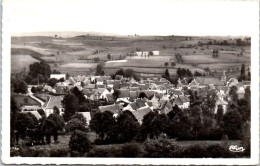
<point>79,142</point>
<point>131,150</point>
<point>162,147</point>
<point>74,124</point>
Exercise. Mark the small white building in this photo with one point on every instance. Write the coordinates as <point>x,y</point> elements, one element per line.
<point>58,76</point>
<point>156,52</point>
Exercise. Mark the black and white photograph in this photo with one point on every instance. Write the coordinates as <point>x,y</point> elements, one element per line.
<point>130,82</point>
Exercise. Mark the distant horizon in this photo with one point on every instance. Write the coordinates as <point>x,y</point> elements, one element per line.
<point>93,33</point>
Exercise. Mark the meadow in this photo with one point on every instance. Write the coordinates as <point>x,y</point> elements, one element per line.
<point>75,55</point>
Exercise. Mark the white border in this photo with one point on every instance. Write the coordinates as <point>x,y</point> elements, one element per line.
<point>158,161</point>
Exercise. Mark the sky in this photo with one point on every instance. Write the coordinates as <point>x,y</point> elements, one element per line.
<point>128,17</point>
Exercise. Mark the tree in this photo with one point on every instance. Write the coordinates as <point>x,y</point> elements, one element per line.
<point>71,105</point>
<point>74,124</point>
<point>150,53</point>
<point>220,113</point>
<point>13,120</point>
<point>153,125</point>
<point>166,64</point>
<point>167,73</point>
<point>19,86</point>
<point>104,124</point>
<point>161,147</point>
<point>99,69</point>
<point>120,72</point>
<point>52,82</point>
<point>175,110</point>
<point>128,126</point>
<point>59,124</point>
<point>80,117</point>
<point>33,89</point>
<point>79,142</point>
<point>78,94</point>
<point>39,68</point>
<point>28,79</point>
<point>233,93</point>
<point>25,121</point>
<point>108,56</point>
<point>142,95</point>
<point>232,124</point>
<point>116,94</point>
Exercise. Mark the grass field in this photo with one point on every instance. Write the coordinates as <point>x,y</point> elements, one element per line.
<point>19,62</point>
<point>70,50</point>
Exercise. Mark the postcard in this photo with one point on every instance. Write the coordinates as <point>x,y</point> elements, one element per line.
<point>161,82</point>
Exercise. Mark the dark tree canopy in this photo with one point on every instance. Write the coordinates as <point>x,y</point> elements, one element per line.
<point>79,142</point>
<point>71,105</point>
<point>103,123</point>
<point>127,126</point>
<point>39,68</point>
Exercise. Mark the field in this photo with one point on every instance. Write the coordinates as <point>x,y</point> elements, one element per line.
<point>81,54</point>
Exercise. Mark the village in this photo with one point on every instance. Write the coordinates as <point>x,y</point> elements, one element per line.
<point>139,97</point>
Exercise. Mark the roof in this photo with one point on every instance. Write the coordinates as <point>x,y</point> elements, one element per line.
<point>177,101</point>
<point>150,104</point>
<point>86,115</point>
<point>134,106</point>
<point>110,98</point>
<point>54,101</point>
<point>134,88</point>
<point>183,99</point>
<point>101,86</point>
<point>112,108</point>
<point>140,103</point>
<point>149,93</point>
<point>58,76</point>
<point>140,113</point>
<point>175,92</point>
<point>124,93</point>
<point>162,87</point>
<point>90,86</point>
<point>209,80</point>
<point>99,91</point>
<point>25,100</point>
<point>221,102</point>
<point>133,94</point>
<point>35,113</point>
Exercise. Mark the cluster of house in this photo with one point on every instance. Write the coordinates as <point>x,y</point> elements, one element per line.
<point>120,94</point>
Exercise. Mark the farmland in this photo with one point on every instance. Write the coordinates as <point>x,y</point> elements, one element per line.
<point>80,54</point>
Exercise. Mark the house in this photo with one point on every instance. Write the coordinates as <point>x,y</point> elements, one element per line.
<point>174,93</point>
<point>232,82</point>
<point>86,115</point>
<point>58,76</point>
<point>99,81</point>
<point>131,107</point>
<point>124,94</point>
<point>101,93</point>
<point>162,89</point>
<point>133,95</point>
<point>166,107</point>
<point>24,100</point>
<point>35,113</point>
<point>90,86</point>
<point>110,98</point>
<point>132,80</point>
<point>155,101</point>
<point>202,80</point>
<point>53,101</point>
<point>114,108</point>
<point>30,108</point>
<point>140,113</point>
<point>185,101</point>
<point>72,81</point>
<point>47,88</point>
<point>156,52</point>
